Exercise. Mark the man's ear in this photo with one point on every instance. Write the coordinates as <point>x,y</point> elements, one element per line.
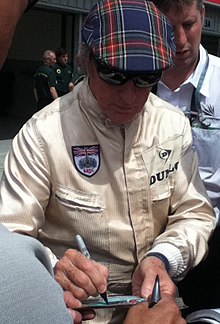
<point>203,14</point>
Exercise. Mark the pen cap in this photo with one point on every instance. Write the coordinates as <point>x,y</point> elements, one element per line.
<point>82,246</point>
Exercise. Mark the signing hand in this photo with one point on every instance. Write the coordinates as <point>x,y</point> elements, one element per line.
<point>80,276</point>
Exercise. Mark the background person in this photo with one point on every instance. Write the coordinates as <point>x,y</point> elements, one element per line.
<point>45,81</point>
<point>63,72</point>
<point>61,180</point>
<point>24,264</point>
<point>192,84</point>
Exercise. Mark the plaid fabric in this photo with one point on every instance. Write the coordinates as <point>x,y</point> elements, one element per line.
<point>129,35</point>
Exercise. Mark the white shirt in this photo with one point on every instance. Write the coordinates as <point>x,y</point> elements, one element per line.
<point>205,140</point>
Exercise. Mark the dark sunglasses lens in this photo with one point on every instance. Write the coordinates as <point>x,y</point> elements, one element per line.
<point>112,77</point>
<point>117,78</point>
<point>146,81</point>
<point>108,75</point>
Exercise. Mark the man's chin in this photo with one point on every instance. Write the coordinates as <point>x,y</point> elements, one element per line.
<point>123,120</point>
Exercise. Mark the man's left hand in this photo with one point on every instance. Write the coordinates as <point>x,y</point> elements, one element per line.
<point>144,277</point>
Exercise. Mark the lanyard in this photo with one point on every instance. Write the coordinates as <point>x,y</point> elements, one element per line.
<point>195,102</point>
<point>195,108</point>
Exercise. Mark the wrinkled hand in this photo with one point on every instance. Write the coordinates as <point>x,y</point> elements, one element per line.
<point>144,277</point>
<point>77,316</point>
<point>165,312</point>
<point>80,276</point>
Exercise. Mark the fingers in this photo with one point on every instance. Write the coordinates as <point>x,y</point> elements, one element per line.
<point>156,267</point>
<point>69,277</point>
<point>166,311</point>
<point>82,277</point>
<point>71,303</point>
<point>166,284</point>
<point>137,314</point>
<point>88,314</point>
<point>144,278</point>
<point>104,271</point>
<point>78,317</point>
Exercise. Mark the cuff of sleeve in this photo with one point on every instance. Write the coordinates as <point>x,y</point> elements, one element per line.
<point>161,257</point>
<point>173,255</point>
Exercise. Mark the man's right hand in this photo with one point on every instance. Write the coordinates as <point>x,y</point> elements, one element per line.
<point>166,311</point>
<point>80,276</point>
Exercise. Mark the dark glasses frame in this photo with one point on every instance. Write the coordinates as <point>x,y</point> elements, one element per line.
<point>114,77</point>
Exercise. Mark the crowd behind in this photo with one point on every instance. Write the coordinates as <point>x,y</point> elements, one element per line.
<point>55,77</point>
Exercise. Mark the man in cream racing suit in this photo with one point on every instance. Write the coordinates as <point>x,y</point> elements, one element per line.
<point>115,164</point>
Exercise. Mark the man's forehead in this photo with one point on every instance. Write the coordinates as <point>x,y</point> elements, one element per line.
<point>181,7</point>
<point>184,13</point>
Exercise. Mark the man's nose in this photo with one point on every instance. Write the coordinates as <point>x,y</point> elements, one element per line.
<point>128,92</point>
<point>180,37</point>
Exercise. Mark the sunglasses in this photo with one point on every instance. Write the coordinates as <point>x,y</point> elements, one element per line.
<point>144,80</point>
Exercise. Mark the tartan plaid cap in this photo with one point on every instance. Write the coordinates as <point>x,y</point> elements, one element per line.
<point>129,35</point>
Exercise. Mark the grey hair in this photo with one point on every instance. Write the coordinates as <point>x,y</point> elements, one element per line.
<point>47,54</point>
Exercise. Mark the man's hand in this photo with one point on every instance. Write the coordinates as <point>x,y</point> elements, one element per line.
<point>144,277</point>
<point>10,13</point>
<point>80,276</point>
<point>77,316</point>
<point>165,312</point>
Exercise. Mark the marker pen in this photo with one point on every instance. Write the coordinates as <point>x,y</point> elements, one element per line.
<point>155,297</point>
<point>83,249</point>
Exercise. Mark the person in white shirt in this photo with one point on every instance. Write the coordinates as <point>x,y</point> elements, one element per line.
<point>193,84</point>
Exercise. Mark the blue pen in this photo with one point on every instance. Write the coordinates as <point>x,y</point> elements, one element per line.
<point>83,249</point>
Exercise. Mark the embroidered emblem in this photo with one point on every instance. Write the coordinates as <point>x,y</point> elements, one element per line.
<point>164,154</point>
<point>86,159</point>
<point>58,71</point>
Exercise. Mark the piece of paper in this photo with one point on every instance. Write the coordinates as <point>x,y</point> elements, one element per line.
<point>113,301</point>
<point>120,301</point>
